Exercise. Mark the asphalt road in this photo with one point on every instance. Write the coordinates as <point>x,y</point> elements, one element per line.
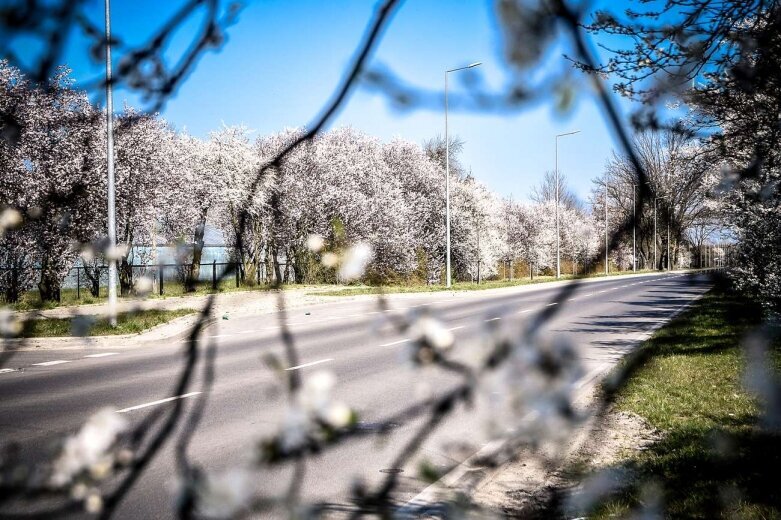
<point>51,393</point>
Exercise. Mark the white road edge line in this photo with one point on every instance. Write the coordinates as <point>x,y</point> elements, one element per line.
<point>50,363</point>
<point>159,401</point>
<point>313,363</point>
<point>102,354</point>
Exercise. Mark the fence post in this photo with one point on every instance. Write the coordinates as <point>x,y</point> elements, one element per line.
<point>214,274</point>
<point>160,278</point>
<point>237,274</point>
<point>78,284</point>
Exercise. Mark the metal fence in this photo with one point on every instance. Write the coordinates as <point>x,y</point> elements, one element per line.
<point>165,275</point>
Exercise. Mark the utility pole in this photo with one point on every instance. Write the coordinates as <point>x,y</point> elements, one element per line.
<point>606,251</point>
<point>558,234</point>
<point>634,230</point>
<point>447,178</point>
<point>112,232</point>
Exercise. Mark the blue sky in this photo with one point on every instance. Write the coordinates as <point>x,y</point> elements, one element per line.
<point>283,59</point>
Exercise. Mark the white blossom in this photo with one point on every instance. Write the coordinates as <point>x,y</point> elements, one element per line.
<point>330,259</point>
<point>356,258</point>
<point>9,219</point>
<point>315,242</point>
<point>431,331</point>
<point>88,447</point>
<point>224,494</point>
<point>143,285</point>
<point>10,324</point>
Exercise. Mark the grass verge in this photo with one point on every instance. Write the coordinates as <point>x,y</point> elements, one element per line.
<point>713,461</point>
<point>127,323</point>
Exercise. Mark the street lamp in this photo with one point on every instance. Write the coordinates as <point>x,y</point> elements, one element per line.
<point>447,175</point>
<point>112,233</point>
<point>607,269</point>
<point>634,228</point>
<point>558,238</point>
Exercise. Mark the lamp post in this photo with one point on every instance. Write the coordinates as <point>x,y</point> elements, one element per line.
<point>112,233</point>
<point>558,238</point>
<point>606,239</point>
<point>447,177</point>
<point>634,229</point>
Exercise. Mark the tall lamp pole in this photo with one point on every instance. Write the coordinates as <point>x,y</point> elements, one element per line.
<point>607,270</point>
<point>634,229</point>
<point>447,177</point>
<point>558,241</point>
<point>112,233</point>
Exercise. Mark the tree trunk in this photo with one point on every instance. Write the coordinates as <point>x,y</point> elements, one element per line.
<point>275,260</point>
<point>191,281</point>
<point>125,277</point>
<point>93,277</point>
<point>49,285</point>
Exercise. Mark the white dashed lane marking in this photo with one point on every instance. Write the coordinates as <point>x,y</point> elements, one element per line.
<point>313,363</point>
<point>102,354</point>
<point>51,363</point>
<point>160,401</point>
<point>395,342</point>
<point>7,370</point>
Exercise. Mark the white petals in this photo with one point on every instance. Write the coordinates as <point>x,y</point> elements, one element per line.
<point>315,243</point>
<point>116,252</point>
<point>222,495</point>
<point>88,447</point>
<point>330,260</point>
<point>432,332</point>
<point>9,219</point>
<point>10,324</point>
<point>143,285</point>
<point>355,261</point>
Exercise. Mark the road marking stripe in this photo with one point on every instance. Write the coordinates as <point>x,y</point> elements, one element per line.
<point>456,328</point>
<point>313,363</point>
<point>160,401</point>
<point>50,363</point>
<point>7,370</point>
<point>525,310</point>
<point>552,304</point>
<point>395,342</point>
<point>492,319</point>
<point>103,354</point>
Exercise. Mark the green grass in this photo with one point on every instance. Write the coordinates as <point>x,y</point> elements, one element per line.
<point>127,323</point>
<point>31,300</point>
<point>713,460</point>
<point>457,286</point>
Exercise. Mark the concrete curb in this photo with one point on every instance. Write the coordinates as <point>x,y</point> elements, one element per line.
<point>176,329</point>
